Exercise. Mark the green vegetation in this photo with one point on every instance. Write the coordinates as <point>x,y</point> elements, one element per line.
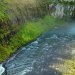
<point>3,19</point>
<point>31,30</point>
<point>14,35</point>
<point>27,33</point>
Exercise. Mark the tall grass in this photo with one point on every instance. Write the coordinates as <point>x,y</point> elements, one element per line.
<point>28,32</point>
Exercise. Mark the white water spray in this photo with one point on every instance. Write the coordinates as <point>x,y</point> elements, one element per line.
<point>2,69</point>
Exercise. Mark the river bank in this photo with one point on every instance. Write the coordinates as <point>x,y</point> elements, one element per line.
<point>27,33</point>
<point>46,55</point>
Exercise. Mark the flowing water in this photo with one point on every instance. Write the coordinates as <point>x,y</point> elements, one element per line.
<point>37,58</point>
<point>52,47</point>
<point>2,69</point>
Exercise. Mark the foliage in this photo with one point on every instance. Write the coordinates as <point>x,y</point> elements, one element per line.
<point>26,33</point>
<point>3,9</point>
<point>30,31</point>
<point>3,19</point>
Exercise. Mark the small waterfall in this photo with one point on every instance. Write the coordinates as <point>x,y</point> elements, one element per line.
<point>63,9</point>
<point>59,12</point>
<point>2,69</point>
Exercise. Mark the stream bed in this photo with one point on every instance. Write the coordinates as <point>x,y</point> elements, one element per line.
<point>36,58</point>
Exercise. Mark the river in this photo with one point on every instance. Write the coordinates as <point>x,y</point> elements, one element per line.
<point>52,47</point>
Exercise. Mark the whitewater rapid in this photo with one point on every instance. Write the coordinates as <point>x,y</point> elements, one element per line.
<point>2,69</point>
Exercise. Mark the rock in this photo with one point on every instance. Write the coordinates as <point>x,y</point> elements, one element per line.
<point>73,51</point>
<point>35,42</point>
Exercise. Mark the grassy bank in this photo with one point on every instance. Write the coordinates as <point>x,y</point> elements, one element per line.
<point>26,33</point>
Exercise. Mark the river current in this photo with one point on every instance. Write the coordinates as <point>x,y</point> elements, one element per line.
<point>50,48</point>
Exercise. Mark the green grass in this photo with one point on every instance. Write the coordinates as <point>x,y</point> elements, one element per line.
<point>26,33</point>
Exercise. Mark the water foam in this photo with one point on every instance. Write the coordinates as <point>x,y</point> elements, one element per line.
<point>2,69</point>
